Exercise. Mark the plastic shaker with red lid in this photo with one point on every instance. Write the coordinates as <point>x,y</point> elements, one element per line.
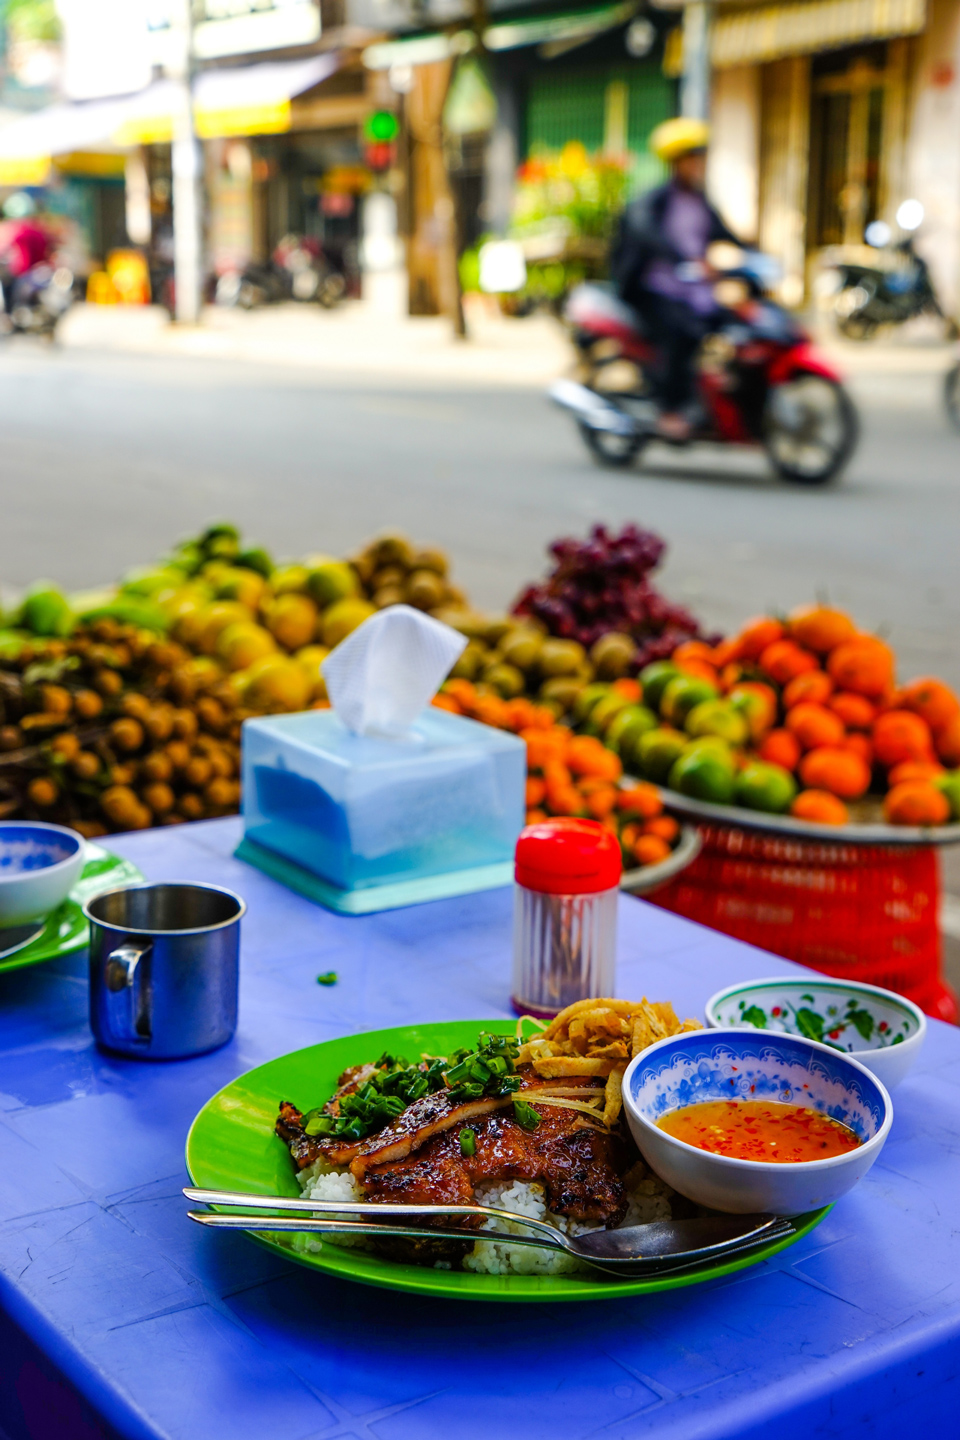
<point>565,914</point>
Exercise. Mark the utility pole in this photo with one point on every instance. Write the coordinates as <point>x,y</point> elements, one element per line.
<point>187,169</point>
<point>695,81</point>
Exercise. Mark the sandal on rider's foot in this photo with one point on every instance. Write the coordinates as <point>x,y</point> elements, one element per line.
<point>674,428</point>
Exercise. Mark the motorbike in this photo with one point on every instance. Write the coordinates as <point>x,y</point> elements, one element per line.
<point>869,296</point>
<point>34,303</point>
<point>951,393</point>
<point>297,270</point>
<point>760,382</point>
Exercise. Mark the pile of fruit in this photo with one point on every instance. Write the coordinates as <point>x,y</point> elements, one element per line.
<point>116,729</point>
<point>123,710</point>
<point>601,588</point>
<point>801,715</point>
<point>569,774</point>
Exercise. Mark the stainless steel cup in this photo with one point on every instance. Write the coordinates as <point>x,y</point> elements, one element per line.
<point>164,969</point>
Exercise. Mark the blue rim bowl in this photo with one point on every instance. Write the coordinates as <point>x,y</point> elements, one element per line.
<point>39,866</point>
<point>733,1064</point>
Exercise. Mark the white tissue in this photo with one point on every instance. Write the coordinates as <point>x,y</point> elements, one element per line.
<point>381,677</point>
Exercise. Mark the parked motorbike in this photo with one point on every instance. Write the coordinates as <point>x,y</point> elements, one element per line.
<point>297,270</point>
<point>34,303</point>
<point>308,272</point>
<point>951,394</point>
<point>760,382</point>
<point>868,296</point>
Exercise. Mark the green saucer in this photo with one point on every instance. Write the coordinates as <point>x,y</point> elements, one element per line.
<point>66,930</point>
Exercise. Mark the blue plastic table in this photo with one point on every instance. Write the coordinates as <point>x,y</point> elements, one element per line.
<point>119,1317</point>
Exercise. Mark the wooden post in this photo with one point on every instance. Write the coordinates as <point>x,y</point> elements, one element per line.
<point>432,254</point>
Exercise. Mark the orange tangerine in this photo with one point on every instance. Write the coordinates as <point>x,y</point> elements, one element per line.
<point>901,735</point>
<point>916,802</point>
<point>948,742</point>
<point>814,725</point>
<point>814,685</point>
<point>643,800</point>
<point>781,748</point>
<point>650,850</point>
<point>756,636</point>
<point>840,771</point>
<point>663,825</point>
<point>914,770</point>
<point>864,665</point>
<point>820,628</point>
<point>932,700</point>
<point>856,711</point>
<point>819,806</point>
<point>784,660</point>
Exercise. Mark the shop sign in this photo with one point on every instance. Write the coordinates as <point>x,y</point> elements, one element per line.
<point>241,27</point>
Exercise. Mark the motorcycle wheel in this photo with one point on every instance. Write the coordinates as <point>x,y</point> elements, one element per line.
<point>857,326</point>
<point>614,452</point>
<point>951,396</point>
<point>810,427</point>
<point>331,290</point>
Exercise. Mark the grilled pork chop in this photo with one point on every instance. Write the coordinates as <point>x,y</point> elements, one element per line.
<point>580,1166</point>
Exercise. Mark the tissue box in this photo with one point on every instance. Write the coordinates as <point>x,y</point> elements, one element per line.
<point>362,822</point>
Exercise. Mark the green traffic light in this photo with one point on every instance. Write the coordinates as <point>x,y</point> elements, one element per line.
<point>382,126</point>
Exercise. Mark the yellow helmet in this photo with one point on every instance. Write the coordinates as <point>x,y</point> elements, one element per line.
<point>677,137</point>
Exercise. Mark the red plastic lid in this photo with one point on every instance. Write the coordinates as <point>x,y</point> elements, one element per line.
<point>568,857</point>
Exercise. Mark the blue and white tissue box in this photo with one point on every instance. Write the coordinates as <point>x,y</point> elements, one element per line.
<point>369,822</point>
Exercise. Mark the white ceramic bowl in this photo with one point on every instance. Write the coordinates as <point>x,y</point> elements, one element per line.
<point>881,1029</point>
<point>702,1065</point>
<point>39,866</point>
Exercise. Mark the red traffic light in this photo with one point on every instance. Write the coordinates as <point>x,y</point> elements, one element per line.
<point>380,155</point>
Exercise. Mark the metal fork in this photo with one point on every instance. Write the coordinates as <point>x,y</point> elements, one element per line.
<point>665,1246</point>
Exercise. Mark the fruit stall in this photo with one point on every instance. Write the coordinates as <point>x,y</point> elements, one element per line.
<point>816,784</point>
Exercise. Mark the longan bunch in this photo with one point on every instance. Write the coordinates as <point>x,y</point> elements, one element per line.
<point>114,729</point>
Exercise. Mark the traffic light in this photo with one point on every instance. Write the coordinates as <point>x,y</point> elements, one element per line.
<point>380,131</point>
<point>381,128</point>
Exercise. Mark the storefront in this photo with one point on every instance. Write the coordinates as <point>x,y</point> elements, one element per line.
<point>827,115</point>
<point>282,153</point>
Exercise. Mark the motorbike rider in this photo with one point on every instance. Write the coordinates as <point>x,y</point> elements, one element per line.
<point>659,267</point>
<point>23,242</point>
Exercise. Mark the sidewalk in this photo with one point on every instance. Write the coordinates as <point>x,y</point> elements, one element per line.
<point>360,338</point>
<point>373,338</point>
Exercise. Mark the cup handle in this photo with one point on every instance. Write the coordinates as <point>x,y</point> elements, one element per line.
<point>122,972</point>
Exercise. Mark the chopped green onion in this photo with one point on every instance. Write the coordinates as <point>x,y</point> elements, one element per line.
<point>329,977</point>
<point>525,1115</point>
<point>468,1142</point>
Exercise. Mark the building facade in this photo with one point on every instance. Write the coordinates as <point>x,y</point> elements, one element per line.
<point>827,115</point>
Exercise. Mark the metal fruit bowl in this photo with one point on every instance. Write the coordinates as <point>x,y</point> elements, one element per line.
<point>864,829</point>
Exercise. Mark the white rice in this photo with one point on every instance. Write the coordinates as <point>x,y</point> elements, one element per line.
<point>648,1200</point>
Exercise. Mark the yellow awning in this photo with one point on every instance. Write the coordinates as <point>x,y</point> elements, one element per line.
<point>771,32</point>
<point>243,100</point>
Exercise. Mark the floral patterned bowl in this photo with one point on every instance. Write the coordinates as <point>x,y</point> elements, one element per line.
<point>702,1065</point>
<point>883,1030</point>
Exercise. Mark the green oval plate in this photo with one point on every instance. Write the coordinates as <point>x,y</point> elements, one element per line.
<point>66,931</point>
<point>231,1146</point>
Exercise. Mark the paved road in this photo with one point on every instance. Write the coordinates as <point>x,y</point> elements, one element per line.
<point>106,459</point>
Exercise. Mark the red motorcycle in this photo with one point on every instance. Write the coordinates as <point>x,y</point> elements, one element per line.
<point>760,382</point>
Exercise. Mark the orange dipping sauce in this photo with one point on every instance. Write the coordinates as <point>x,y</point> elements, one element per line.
<point>760,1130</point>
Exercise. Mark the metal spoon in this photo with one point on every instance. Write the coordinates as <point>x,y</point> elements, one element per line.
<point>663,1246</point>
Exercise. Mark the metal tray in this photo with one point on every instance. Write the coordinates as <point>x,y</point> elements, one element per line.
<point>870,833</point>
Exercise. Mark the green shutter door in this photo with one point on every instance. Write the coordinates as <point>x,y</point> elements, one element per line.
<point>570,105</point>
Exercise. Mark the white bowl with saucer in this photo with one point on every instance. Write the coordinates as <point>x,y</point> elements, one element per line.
<point>702,1065</point>
<point>881,1029</point>
<point>39,866</point>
